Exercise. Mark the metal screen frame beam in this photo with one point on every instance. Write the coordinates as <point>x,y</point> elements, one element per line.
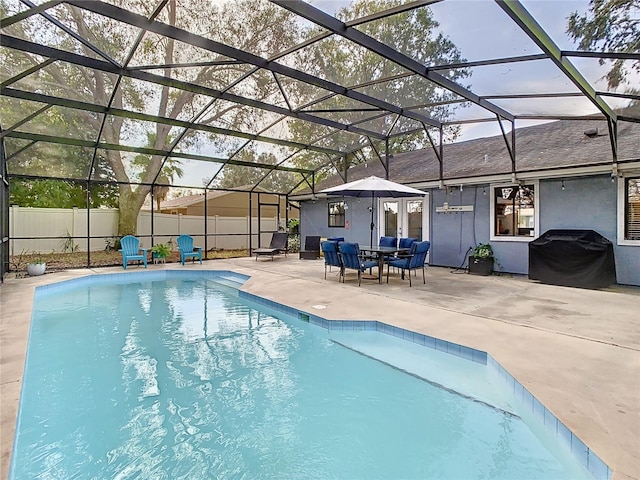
<point>169,31</point>
<point>96,64</point>
<point>340,28</point>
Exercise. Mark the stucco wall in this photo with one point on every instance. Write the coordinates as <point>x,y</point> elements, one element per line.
<point>585,203</point>
<point>314,219</point>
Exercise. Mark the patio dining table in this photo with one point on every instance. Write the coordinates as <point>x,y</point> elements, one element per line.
<point>380,252</point>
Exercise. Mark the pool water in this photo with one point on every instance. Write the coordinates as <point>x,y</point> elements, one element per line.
<point>182,379</point>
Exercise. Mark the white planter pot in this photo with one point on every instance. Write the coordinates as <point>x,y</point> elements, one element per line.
<point>35,269</point>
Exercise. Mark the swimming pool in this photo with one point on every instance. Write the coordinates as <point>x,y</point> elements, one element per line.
<point>144,376</point>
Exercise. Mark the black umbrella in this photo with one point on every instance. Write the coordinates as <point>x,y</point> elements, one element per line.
<point>373,187</point>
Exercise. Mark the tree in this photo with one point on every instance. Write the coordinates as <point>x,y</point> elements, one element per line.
<point>276,181</point>
<point>47,193</point>
<point>170,170</point>
<point>413,33</point>
<point>609,26</point>
<point>261,28</point>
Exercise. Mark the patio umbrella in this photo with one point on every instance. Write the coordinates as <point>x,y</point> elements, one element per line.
<point>373,187</point>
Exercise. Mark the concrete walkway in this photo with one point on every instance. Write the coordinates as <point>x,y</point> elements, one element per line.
<point>576,350</point>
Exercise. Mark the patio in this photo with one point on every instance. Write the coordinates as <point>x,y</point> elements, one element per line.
<point>576,350</point>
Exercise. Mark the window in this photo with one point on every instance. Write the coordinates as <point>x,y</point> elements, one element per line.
<point>632,209</point>
<point>336,214</point>
<point>514,211</point>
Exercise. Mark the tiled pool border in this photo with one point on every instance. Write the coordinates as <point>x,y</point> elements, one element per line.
<point>577,447</point>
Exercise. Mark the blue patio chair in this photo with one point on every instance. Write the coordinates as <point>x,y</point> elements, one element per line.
<point>406,242</point>
<point>331,258</point>
<point>351,258</point>
<point>130,250</point>
<point>187,250</point>
<point>403,243</point>
<point>388,242</point>
<point>416,259</point>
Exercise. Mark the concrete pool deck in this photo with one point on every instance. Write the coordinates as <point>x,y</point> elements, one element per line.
<point>575,350</point>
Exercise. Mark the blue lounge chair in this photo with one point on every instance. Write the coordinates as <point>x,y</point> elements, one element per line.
<point>331,258</point>
<point>416,259</point>
<point>187,250</point>
<point>130,250</point>
<point>352,258</point>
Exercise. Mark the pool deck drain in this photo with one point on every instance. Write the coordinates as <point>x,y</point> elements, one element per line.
<point>575,350</point>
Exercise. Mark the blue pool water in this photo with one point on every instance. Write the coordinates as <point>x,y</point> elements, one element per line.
<point>182,379</point>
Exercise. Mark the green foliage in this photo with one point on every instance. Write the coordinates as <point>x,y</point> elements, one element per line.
<point>161,250</point>
<point>610,26</point>
<point>37,260</point>
<point>46,193</point>
<point>275,181</point>
<point>259,27</point>
<point>68,245</point>
<point>294,226</point>
<point>482,250</point>
<point>414,33</point>
<point>293,243</point>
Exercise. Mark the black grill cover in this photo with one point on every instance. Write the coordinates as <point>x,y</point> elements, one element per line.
<point>575,258</point>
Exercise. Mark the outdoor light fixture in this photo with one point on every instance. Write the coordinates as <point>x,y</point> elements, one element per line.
<point>614,173</point>
<point>562,185</point>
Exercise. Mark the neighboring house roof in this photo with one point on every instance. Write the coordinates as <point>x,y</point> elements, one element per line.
<point>188,200</point>
<point>552,145</point>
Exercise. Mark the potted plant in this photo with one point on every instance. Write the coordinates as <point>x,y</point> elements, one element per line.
<point>36,267</point>
<point>160,252</point>
<point>481,260</point>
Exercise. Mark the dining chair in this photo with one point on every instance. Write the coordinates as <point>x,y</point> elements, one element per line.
<point>352,258</point>
<point>331,257</point>
<point>415,260</point>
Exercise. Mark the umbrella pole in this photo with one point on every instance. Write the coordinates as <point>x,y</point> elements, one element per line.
<point>372,224</point>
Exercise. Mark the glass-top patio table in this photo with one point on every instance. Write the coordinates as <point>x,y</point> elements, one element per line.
<point>381,252</point>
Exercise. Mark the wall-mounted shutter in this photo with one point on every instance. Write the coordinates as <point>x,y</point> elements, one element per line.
<point>632,227</point>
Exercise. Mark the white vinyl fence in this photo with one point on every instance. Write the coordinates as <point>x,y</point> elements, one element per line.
<point>36,226</point>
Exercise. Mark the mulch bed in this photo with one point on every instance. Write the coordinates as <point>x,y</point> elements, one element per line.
<point>64,261</point>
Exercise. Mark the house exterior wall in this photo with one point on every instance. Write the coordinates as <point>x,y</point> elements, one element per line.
<point>234,205</point>
<point>314,219</point>
<point>585,203</point>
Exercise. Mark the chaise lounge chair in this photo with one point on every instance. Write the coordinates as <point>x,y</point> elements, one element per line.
<point>130,250</point>
<point>187,250</point>
<point>278,245</point>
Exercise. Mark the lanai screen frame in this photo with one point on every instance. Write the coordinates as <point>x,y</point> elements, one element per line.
<point>337,155</point>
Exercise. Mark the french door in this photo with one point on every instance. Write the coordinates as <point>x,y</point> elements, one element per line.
<point>404,217</point>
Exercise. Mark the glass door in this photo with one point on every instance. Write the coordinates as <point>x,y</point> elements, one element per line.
<point>406,217</point>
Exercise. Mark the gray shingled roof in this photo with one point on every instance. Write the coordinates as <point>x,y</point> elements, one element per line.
<point>551,145</point>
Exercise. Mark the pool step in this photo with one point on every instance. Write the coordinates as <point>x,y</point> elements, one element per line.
<point>227,282</point>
